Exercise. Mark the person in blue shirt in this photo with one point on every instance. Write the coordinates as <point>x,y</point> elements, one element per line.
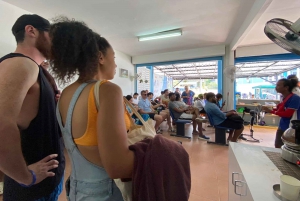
<point>188,96</point>
<point>220,118</point>
<point>289,106</point>
<point>219,97</point>
<point>145,107</point>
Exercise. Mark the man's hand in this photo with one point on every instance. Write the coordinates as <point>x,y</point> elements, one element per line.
<point>43,167</point>
<point>231,113</point>
<point>185,110</point>
<point>57,96</point>
<point>266,109</point>
<point>223,104</point>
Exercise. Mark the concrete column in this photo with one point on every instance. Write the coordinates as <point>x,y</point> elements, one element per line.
<point>200,86</point>
<point>228,85</point>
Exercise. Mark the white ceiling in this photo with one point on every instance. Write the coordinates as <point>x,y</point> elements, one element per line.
<point>204,22</point>
<point>286,9</point>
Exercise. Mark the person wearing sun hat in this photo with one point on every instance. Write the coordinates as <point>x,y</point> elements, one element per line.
<point>31,154</point>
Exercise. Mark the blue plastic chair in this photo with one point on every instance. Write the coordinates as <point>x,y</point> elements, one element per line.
<point>180,128</point>
<point>220,132</point>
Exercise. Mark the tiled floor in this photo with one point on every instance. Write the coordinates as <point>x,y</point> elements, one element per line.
<point>209,163</point>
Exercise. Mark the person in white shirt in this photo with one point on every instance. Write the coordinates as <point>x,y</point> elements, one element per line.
<point>200,104</point>
<point>296,89</point>
<point>135,100</point>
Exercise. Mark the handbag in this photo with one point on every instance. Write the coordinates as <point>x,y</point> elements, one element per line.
<point>135,134</point>
<point>144,116</point>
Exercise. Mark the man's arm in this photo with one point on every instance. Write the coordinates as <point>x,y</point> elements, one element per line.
<point>113,148</point>
<point>156,106</point>
<point>177,109</point>
<point>17,77</point>
<point>217,112</point>
<point>141,111</point>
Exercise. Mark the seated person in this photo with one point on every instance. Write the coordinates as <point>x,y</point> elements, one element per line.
<point>145,107</point>
<point>204,97</point>
<point>150,97</point>
<point>158,98</point>
<point>130,99</point>
<point>165,98</point>
<point>178,101</point>
<point>191,109</point>
<point>179,112</point>
<point>221,119</point>
<point>200,104</point>
<point>161,109</point>
<point>177,91</point>
<point>219,97</point>
<point>135,100</point>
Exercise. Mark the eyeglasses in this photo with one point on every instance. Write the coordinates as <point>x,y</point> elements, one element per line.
<point>143,94</point>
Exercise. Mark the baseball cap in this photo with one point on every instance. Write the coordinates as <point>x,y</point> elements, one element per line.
<point>36,21</point>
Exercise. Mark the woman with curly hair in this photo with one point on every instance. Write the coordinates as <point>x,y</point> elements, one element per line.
<point>96,141</point>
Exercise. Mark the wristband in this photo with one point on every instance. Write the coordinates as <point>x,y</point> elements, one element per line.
<point>33,180</point>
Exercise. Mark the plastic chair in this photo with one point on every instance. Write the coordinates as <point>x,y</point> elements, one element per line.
<point>220,132</point>
<point>180,125</point>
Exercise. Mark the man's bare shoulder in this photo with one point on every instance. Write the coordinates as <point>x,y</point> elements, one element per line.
<point>19,63</point>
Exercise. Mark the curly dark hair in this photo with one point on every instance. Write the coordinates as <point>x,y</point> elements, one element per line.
<point>291,84</point>
<point>75,49</point>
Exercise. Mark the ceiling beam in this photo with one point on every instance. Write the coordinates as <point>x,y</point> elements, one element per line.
<point>272,82</point>
<point>179,71</point>
<point>202,67</point>
<point>256,11</point>
<point>265,68</point>
<point>288,69</point>
<point>162,71</point>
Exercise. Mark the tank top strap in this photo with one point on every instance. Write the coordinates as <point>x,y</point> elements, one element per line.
<point>72,104</point>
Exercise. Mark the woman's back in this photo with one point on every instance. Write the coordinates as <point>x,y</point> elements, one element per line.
<point>79,118</point>
<point>88,180</point>
<point>93,138</point>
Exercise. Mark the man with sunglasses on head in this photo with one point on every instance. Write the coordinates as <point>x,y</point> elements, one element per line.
<point>145,107</point>
<point>31,151</point>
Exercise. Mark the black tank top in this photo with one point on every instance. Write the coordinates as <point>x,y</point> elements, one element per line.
<point>39,140</point>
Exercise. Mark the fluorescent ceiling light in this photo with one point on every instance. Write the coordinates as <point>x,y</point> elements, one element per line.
<point>164,34</point>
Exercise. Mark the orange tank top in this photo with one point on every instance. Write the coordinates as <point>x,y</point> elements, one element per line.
<point>89,138</point>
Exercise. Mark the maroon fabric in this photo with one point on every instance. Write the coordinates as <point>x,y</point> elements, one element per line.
<point>161,171</point>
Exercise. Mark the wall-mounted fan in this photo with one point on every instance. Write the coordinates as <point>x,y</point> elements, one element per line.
<point>284,33</point>
<point>230,72</point>
<point>135,76</point>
